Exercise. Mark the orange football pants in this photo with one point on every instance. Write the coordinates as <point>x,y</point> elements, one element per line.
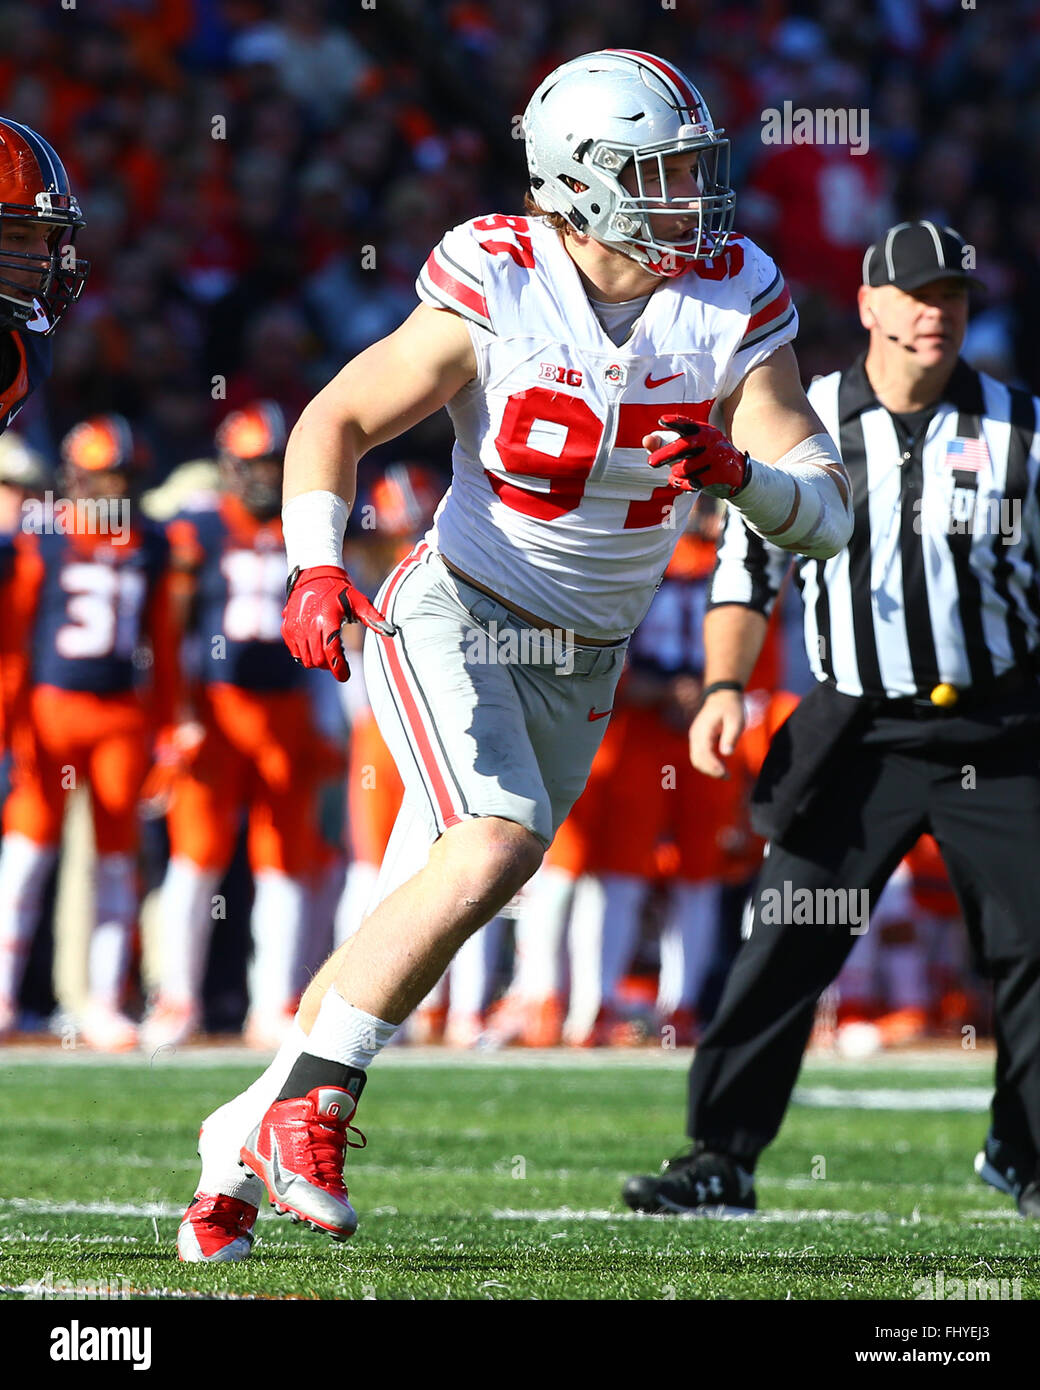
<point>643,793</point>
<point>374,791</point>
<point>258,752</point>
<point>71,738</point>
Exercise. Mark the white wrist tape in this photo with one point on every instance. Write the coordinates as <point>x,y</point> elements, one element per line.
<point>313,525</point>
<point>802,502</point>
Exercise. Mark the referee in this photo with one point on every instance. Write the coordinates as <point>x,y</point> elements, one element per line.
<point>923,637</point>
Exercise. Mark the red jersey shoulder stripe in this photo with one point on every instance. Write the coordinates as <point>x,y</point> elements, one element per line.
<point>441,285</point>
<point>775,307</point>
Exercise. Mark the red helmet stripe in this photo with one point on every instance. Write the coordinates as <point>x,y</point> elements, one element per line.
<point>686,93</point>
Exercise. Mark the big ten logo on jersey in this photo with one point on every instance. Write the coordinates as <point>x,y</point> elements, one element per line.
<point>103,608</point>
<point>514,241</point>
<point>255,593</point>
<point>565,376</point>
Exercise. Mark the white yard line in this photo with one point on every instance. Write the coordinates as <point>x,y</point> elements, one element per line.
<point>974,1099</point>
<point>27,1206</point>
<point>952,1059</point>
<point>876,1218</point>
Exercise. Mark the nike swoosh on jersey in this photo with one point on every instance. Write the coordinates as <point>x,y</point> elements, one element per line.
<point>660,380</point>
<point>599,714</point>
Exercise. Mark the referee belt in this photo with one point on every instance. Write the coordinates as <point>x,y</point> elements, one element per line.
<point>946,701</point>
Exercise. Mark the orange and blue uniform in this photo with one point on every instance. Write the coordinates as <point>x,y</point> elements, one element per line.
<point>260,746</point>
<point>642,793</point>
<point>87,662</point>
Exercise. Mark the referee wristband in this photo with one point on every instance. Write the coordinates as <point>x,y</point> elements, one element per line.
<point>721,685</point>
<point>313,525</point>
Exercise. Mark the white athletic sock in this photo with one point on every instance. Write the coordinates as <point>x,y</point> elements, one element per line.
<point>585,947</point>
<point>472,972</point>
<point>344,1034</point>
<point>116,898</point>
<point>228,1127</point>
<point>688,942</point>
<point>24,868</point>
<point>277,926</point>
<point>185,923</point>
<point>540,929</point>
<point>358,890</point>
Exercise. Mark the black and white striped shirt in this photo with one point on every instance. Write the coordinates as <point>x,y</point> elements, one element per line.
<point>939,581</point>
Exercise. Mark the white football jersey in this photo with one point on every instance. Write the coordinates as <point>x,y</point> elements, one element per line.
<point>553,504</point>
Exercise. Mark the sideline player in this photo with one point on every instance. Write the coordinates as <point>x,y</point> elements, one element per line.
<point>87,612</point>
<point>559,343</point>
<point>254,742</point>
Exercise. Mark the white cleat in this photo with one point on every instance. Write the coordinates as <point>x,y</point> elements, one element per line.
<point>105,1029</point>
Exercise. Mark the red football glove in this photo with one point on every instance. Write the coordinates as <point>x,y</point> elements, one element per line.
<point>702,457</point>
<point>319,600</point>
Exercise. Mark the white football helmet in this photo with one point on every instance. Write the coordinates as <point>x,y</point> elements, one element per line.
<point>594,115</point>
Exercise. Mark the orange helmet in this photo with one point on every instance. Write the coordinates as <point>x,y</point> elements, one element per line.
<point>255,434</point>
<point>405,499</point>
<point>101,444</point>
<point>36,286</point>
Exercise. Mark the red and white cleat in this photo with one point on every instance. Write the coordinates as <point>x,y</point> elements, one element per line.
<point>298,1150</point>
<point>215,1230</point>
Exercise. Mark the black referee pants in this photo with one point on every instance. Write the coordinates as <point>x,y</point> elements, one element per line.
<point>974,782</point>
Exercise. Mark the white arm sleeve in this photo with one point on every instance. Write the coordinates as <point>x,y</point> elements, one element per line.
<point>801,503</point>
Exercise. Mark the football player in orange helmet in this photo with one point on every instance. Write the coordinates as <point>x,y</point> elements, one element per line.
<point>86,616</point>
<point>40,273</point>
<point>245,738</point>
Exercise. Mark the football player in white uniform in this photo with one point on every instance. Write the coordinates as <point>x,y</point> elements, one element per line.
<point>577,350</point>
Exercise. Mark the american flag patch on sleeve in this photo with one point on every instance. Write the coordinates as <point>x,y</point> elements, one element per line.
<point>969,455</point>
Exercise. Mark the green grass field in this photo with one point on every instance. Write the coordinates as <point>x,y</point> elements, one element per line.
<point>499,1178</point>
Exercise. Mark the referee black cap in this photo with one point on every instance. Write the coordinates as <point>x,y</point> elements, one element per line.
<point>912,254</point>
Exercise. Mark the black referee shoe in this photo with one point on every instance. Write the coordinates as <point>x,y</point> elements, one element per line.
<point>699,1183</point>
<point>1002,1166</point>
<point>1008,1170</point>
<point>1029,1198</point>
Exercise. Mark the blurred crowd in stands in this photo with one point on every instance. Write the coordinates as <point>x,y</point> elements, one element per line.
<point>262,180</point>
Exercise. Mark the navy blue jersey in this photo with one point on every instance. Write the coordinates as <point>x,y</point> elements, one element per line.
<point>30,354</point>
<point>240,567</point>
<point>92,608</point>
